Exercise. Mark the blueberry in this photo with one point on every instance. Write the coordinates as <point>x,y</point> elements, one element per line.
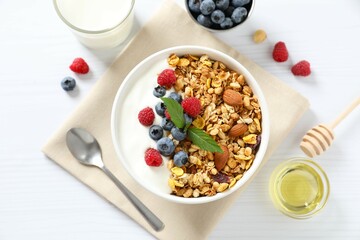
<point>239,14</point>
<point>165,146</point>
<point>239,3</point>
<point>68,83</point>
<point>217,16</point>
<point>222,4</point>
<point>178,134</point>
<point>228,12</point>
<point>175,96</point>
<point>227,23</point>
<point>156,132</point>
<point>159,91</point>
<point>207,7</point>
<point>188,119</point>
<point>167,124</point>
<point>194,5</point>
<point>160,109</point>
<point>180,158</point>
<point>204,20</point>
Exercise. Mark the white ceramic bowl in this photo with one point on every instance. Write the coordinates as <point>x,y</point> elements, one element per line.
<point>131,139</point>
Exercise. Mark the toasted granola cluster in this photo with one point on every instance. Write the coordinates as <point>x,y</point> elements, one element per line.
<point>236,127</point>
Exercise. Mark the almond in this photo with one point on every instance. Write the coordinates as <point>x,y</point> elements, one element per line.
<point>221,159</point>
<point>232,97</point>
<point>238,130</point>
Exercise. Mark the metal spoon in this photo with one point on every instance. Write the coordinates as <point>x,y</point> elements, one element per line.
<point>85,148</point>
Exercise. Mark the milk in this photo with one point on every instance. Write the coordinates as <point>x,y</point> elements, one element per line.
<point>97,23</point>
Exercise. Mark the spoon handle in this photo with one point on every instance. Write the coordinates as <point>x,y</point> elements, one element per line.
<point>150,217</point>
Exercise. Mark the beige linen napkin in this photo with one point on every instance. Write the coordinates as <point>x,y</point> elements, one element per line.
<point>170,26</point>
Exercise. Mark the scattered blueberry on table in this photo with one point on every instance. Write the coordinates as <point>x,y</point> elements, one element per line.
<point>68,83</point>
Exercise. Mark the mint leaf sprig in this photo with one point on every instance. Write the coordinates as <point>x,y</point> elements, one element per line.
<point>196,135</point>
<point>203,140</point>
<point>176,112</point>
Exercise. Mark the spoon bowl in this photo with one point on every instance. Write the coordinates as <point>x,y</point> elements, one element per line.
<point>84,147</point>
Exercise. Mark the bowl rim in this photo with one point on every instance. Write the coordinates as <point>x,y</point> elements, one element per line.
<point>257,163</point>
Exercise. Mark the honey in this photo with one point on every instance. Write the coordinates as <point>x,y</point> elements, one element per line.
<point>299,188</point>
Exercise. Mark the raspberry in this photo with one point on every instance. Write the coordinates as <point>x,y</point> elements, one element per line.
<point>302,68</point>
<point>280,52</point>
<point>167,114</point>
<point>191,106</point>
<point>166,78</point>
<point>146,116</point>
<point>79,66</point>
<point>153,157</point>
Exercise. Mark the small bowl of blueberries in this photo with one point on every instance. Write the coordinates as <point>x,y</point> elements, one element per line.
<point>219,15</point>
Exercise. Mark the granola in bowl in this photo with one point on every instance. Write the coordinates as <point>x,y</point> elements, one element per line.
<point>233,114</point>
<point>235,124</point>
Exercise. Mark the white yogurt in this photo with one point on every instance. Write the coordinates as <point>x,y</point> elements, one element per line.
<point>97,23</point>
<point>134,137</point>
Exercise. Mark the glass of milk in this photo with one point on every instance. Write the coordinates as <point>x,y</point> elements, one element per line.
<point>97,23</point>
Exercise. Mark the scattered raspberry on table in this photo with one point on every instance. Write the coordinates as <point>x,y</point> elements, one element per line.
<point>280,52</point>
<point>302,68</point>
<point>79,66</point>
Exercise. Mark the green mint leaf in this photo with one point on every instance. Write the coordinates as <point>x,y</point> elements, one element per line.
<point>187,126</point>
<point>175,110</point>
<point>203,140</point>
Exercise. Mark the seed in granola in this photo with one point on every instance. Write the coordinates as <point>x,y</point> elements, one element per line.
<point>247,90</point>
<point>216,83</point>
<point>240,79</point>
<point>214,131</point>
<point>188,193</point>
<point>235,85</point>
<point>183,62</point>
<point>232,163</point>
<point>171,183</point>
<point>177,171</point>
<point>250,139</point>
<point>196,193</point>
<point>222,187</point>
<point>173,60</point>
<point>213,171</point>
<point>216,184</point>
<point>232,182</point>
<point>218,90</point>
<point>248,151</point>
<point>199,122</point>
<point>207,180</point>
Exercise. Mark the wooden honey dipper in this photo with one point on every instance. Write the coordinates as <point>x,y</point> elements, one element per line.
<point>319,138</point>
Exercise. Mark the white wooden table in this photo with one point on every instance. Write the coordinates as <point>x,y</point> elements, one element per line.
<point>38,200</point>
